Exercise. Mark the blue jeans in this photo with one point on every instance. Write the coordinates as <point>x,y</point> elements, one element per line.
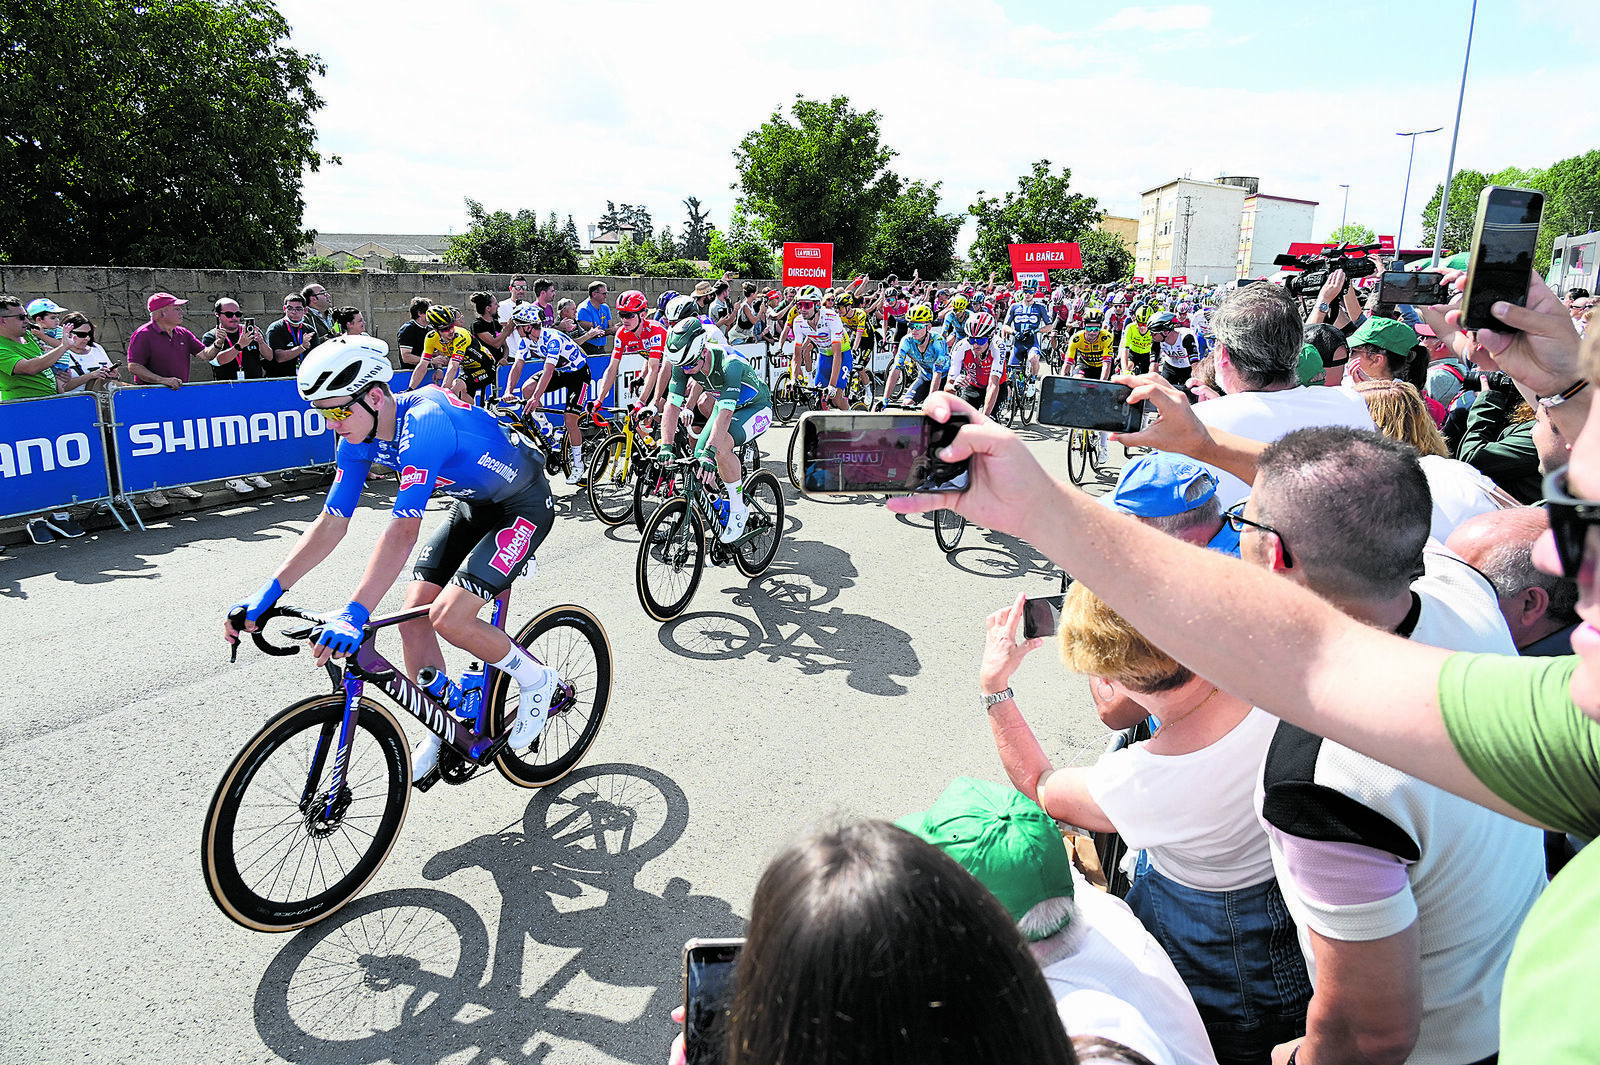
<point>1239,955</point>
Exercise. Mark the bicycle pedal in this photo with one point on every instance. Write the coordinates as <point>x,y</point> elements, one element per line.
<point>423,783</point>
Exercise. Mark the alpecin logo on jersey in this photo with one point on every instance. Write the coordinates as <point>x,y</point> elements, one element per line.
<point>513,546</point>
<point>412,476</point>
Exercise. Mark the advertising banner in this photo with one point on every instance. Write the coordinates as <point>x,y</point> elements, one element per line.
<point>1034,258</point>
<point>206,432</point>
<point>51,454</point>
<point>1181,279</point>
<point>1163,280</point>
<point>807,264</point>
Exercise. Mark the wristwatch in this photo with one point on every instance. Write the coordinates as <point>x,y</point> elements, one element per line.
<point>998,697</point>
<point>1324,307</point>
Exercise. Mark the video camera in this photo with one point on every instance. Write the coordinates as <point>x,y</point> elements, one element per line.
<point>1316,268</point>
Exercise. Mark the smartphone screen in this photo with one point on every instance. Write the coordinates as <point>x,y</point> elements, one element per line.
<point>1082,403</point>
<point>843,454</point>
<point>1420,288</point>
<point>708,969</point>
<point>1041,616</point>
<point>249,325</point>
<point>1504,238</point>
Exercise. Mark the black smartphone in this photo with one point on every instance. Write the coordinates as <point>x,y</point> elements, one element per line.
<point>1503,241</point>
<point>1085,403</point>
<point>1041,616</point>
<point>708,970</point>
<point>249,326</point>
<point>850,454</point>
<point>1404,286</point>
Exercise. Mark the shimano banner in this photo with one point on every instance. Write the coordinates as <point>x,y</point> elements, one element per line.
<point>51,454</point>
<point>207,432</point>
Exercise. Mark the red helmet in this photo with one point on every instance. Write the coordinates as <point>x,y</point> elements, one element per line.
<point>632,302</point>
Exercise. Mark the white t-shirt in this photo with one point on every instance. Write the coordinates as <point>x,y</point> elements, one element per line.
<point>1476,873</point>
<point>1459,492</point>
<point>1119,984</point>
<point>1266,416</point>
<point>1194,813</point>
<point>95,358</point>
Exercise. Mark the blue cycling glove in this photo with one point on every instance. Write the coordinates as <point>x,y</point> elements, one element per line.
<point>342,633</point>
<point>264,600</point>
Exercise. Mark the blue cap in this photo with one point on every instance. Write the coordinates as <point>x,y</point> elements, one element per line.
<point>1161,484</point>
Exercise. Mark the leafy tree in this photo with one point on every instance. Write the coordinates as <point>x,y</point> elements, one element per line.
<point>502,243</point>
<point>1105,257</point>
<point>570,231</point>
<point>162,133</point>
<point>319,264</point>
<point>399,264</point>
<point>824,176</point>
<point>911,235</point>
<point>628,214</point>
<point>1465,188</point>
<point>666,246</point>
<point>1352,233</point>
<point>696,242</point>
<point>1572,191</point>
<point>741,250</point>
<point>1043,209</point>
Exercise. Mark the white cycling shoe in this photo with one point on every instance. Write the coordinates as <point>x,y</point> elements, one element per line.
<point>735,526</point>
<point>425,756</point>
<point>533,709</point>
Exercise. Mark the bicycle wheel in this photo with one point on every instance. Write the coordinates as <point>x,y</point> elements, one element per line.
<point>765,497</point>
<point>610,489</point>
<point>1002,407</point>
<point>794,459</point>
<point>672,555</point>
<point>651,488</point>
<point>273,860</point>
<point>785,397</point>
<point>947,529</point>
<point>863,392</point>
<point>1077,455</point>
<point>571,641</point>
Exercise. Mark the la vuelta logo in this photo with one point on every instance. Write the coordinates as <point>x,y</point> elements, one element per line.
<point>412,476</point>
<point>808,253</point>
<point>512,544</point>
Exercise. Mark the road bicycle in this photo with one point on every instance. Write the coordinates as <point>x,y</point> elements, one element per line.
<point>1082,456</point>
<point>616,464</point>
<point>655,484</point>
<point>1020,403</point>
<point>310,807</point>
<point>679,536</point>
<point>791,396</point>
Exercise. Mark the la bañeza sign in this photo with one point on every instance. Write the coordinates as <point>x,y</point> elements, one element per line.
<point>807,264</point>
<point>1041,258</point>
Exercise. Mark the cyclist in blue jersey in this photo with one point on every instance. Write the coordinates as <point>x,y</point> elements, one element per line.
<point>436,442</point>
<point>565,366</point>
<point>922,355</point>
<point>1024,322</point>
<point>954,327</point>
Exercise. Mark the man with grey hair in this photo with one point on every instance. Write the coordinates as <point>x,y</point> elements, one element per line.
<point>1541,609</point>
<point>1258,337</point>
<point>1408,898</point>
<point>1109,976</point>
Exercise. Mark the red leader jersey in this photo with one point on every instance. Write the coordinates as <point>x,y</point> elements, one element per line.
<point>647,338</point>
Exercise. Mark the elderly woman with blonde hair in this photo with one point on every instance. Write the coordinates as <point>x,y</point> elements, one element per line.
<point>1187,797</point>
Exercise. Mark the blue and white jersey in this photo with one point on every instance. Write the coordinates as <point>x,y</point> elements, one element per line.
<point>1028,320</point>
<point>954,327</point>
<point>441,442</point>
<point>935,359</point>
<point>556,347</point>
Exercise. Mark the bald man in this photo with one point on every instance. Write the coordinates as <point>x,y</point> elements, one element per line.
<point>1539,608</point>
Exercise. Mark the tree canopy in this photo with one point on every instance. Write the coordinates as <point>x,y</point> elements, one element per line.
<point>911,235</point>
<point>502,243</point>
<point>1352,233</point>
<point>823,176</point>
<point>1042,209</point>
<point>696,243</point>
<point>162,133</point>
<point>741,250</point>
<point>1105,259</point>
<point>1572,198</point>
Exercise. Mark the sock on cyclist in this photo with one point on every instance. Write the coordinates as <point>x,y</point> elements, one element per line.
<point>735,497</point>
<point>523,669</point>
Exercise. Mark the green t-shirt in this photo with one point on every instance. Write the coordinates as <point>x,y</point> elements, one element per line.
<point>726,374</point>
<point>1515,725</point>
<point>23,385</point>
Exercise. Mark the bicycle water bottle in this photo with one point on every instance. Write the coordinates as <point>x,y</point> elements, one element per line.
<point>472,695</point>
<point>437,683</point>
<point>542,423</point>
<point>719,506</point>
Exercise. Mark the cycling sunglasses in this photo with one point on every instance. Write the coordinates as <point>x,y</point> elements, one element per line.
<point>978,342</point>
<point>805,305</point>
<point>334,414</point>
<point>1570,521</point>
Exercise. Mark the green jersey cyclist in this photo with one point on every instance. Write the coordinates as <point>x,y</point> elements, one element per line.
<point>742,411</point>
<point>435,441</point>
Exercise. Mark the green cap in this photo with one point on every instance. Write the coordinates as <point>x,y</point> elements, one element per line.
<point>1005,840</point>
<point>1385,333</point>
<point>1311,371</point>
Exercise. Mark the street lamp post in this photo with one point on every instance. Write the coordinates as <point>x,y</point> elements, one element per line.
<point>1450,171</point>
<point>1405,196</point>
<point>1344,215</point>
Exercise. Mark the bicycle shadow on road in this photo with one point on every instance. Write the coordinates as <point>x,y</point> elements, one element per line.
<point>1002,557</point>
<point>793,621</point>
<point>580,954</point>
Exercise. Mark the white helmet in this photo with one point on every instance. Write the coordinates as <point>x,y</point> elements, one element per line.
<point>343,366</point>
<point>686,342</point>
<point>681,308</point>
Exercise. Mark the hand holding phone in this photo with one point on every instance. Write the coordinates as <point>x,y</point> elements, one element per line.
<point>878,454</point>
<point>708,974</point>
<point>1086,403</point>
<point>1504,237</point>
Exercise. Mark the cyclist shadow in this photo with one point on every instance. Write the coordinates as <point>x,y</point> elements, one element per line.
<point>793,621</point>
<point>1001,557</point>
<point>415,974</point>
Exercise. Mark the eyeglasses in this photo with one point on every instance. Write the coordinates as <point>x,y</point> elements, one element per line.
<point>978,342</point>
<point>804,306</point>
<point>83,333</point>
<point>314,295</point>
<point>3,317</point>
<point>1570,520</point>
<point>229,314</point>
<point>625,315</point>
<point>1237,521</point>
<point>334,414</point>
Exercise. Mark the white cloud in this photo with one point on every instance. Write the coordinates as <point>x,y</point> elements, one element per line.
<point>1159,19</point>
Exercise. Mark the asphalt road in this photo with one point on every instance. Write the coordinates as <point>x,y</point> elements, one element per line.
<point>507,925</point>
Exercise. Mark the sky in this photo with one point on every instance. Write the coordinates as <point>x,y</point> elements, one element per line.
<point>561,106</point>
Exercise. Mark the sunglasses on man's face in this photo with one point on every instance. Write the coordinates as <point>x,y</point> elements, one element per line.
<point>229,314</point>
<point>1571,519</point>
<point>806,306</point>
<point>334,414</point>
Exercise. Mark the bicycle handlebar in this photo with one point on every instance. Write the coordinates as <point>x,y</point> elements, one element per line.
<point>236,619</point>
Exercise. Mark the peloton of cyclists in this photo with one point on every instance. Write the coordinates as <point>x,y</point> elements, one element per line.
<point>922,356</point>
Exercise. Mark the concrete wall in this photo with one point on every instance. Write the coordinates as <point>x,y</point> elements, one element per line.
<point>1278,223</point>
<point>114,297</point>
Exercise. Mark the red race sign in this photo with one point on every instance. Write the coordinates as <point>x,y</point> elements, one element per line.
<point>807,264</point>
<point>1138,280</point>
<point>1037,258</point>
<point>1181,279</point>
<point>1163,280</point>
